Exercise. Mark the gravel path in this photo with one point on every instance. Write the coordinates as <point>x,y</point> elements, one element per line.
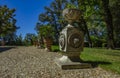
<point>30,62</point>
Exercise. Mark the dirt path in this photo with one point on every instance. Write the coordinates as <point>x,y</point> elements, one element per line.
<point>30,62</point>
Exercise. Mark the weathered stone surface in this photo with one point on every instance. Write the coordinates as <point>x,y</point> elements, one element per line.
<point>65,63</point>
<point>71,39</point>
<point>71,42</point>
<point>71,15</point>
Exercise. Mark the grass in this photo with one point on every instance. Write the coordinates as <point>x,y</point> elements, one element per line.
<point>107,59</point>
<point>55,48</point>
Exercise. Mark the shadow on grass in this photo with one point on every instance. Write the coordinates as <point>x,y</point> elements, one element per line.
<point>117,48</point>
<point>114,54</point>
<point>4,48</point>
<point>97,63</point>
<point>55,50</point>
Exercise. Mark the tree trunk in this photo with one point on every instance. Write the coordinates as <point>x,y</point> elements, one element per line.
<point>82,3</point>
<point>109,23</point>
<point>3,41</point>
<point>0,27</point>
<point>87,32</point>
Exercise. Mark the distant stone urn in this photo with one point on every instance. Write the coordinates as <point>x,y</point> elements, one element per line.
<point>71,15</point>
<point>48,44</point>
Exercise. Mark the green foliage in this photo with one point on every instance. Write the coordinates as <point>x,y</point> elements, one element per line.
<point>97,42</point>
<point>53,16</point>
<point>107,59</point>
<point>92,21</point>
<point>55,48</point>
<point>7,25</point>
<point>70,5</point>
<point>19,40</point>
<point>7,21</point>
<point>115,9</point>
<point>29,39</point>
<point>46,31</point>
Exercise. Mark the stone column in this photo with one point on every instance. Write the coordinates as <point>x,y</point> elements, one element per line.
<point>71,42</point>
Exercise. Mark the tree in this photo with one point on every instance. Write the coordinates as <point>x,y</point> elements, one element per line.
<point>115,10</point>
<point>96,18</point>
<point>11,39</point>
<point>30,38</point>
<point>84,7</point>
<point>93,13</point>
<point>7,21</point>
<point>109,23</point>
<point>19,40</point>
<point>53,16</point>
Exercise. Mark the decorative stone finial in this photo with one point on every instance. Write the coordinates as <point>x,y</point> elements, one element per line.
<point>71,15</point>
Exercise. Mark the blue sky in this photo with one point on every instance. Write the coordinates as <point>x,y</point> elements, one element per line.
<point>27,12</point>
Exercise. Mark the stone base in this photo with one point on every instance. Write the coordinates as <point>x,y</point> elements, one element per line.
<point>65,63</point>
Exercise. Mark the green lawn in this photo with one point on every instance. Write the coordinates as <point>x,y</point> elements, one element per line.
<point>55,48</point>
<point>107,59</point>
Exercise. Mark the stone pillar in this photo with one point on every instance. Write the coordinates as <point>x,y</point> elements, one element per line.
<point>71,42</point>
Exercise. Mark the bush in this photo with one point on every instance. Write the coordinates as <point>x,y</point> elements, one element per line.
<point>97,42</point>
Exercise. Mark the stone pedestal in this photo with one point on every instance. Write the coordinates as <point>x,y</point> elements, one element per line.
<point>66,63</point>
<point>71,43</point>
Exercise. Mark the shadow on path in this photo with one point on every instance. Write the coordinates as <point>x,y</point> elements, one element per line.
<point>97,63</point>
<point>4,48</point>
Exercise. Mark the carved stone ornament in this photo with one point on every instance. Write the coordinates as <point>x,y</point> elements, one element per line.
<point>71,15</point>
<point>71,39</point>
<point>62,41</point>
<point>75,40</point>
<point>71,42</point>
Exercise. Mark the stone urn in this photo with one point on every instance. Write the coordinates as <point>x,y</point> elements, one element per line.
<point>48,44</point>
<point>71,15</point>
<point>71,42</point>
<point>46,33</point>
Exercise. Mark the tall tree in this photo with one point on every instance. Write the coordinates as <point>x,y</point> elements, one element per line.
<point>115,10</point>
<point>53,16</point>
<point>109,23</point>
<point>7,21</point>
<point>84,6</point>
<point>30,38</point>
